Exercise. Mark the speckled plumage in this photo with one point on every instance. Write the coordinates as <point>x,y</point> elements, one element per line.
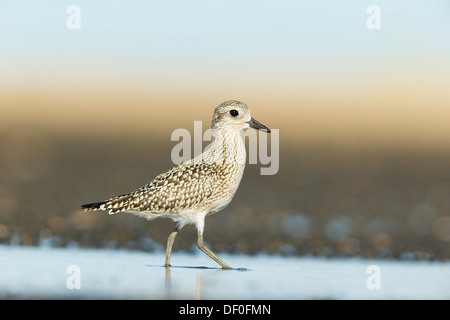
<point>203,185</point>
<point>189,186</point>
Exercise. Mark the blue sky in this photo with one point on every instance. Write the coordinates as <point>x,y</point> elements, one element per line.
<point>262,37</point>
<point>316,61</point>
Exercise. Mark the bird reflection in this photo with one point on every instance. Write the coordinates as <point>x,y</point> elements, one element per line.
<point>168,294</point>
<point>168,287</point>
<point>168,284</point>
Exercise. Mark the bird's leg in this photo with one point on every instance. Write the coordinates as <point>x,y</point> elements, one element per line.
<point>201,245</point>
<point>170,242</point>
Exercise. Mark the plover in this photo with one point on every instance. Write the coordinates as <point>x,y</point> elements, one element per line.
<point>204,185</point>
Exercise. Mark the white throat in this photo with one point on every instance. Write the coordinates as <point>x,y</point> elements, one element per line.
<point>227,147</point>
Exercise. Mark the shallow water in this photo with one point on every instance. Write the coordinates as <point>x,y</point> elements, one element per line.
<point>31,272</point>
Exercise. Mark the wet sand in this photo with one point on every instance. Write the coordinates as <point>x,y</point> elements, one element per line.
<point>37,273</point>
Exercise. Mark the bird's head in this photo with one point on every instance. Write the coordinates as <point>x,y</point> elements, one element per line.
<point>235,115</point>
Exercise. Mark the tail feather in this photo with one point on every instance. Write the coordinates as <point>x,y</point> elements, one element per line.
<point>113,205</point>
<point>94,205</point>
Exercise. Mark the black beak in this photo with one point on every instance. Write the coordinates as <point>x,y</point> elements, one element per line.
<point>259,126</point>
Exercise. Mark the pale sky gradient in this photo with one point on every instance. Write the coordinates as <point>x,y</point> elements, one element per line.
<point>311,65</point>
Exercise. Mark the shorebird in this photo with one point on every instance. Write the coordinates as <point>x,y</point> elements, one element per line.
<point>204,185</point>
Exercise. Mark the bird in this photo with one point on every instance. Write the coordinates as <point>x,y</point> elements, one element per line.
<point>198,187</point>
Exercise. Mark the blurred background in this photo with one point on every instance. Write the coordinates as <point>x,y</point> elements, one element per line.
<point>87,114</point>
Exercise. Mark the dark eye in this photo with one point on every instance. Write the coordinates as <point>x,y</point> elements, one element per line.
<point>234,113</point>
